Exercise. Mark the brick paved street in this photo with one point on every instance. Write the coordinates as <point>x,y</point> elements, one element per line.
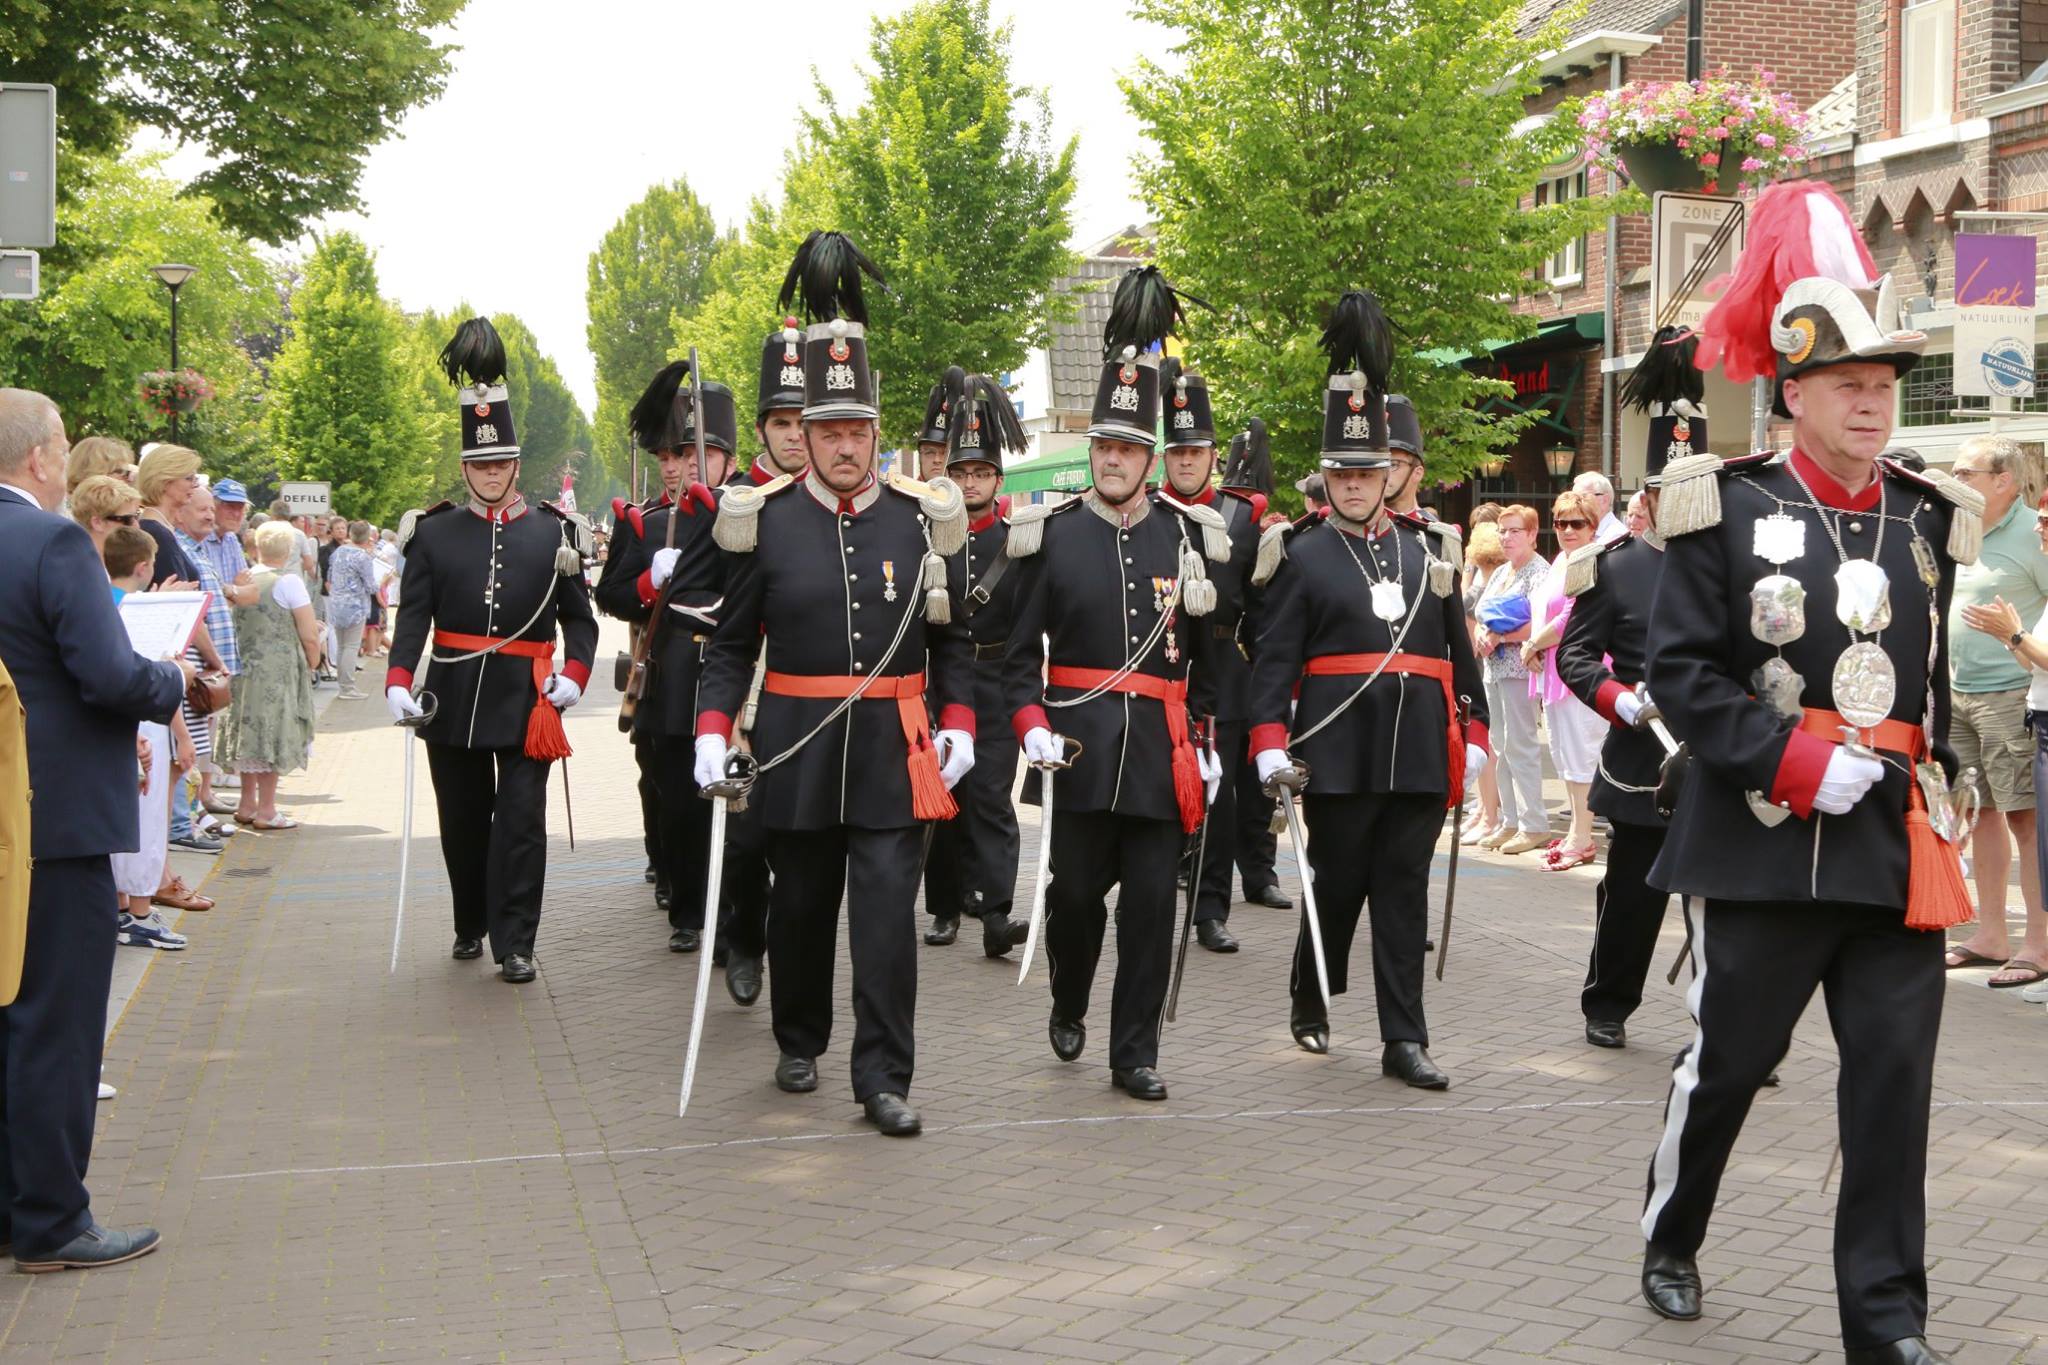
<point>354,1165</point>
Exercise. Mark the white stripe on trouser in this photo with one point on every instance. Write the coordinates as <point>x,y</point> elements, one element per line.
<point>1685,1078</point>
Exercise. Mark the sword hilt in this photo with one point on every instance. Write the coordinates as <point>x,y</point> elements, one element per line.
<point>1066,759</point>
<point>741,769</point>
<point>1288,781</point>
<point>429,704</point>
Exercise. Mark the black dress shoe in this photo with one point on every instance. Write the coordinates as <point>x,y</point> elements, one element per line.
<point>1271,896</point>
<point>1311,1033</point>
<point>720,955</point>
<point>467,948</point>
<point>1671,1284</point>
<point>1770,1081</point>
<point>797,1075</point>
<point>663,899</point>
<point>1000,933</point>
<point>945,928</point>
<point>1212,934</point>
<point>1606,1033</point>
<point>1410,1061</point>
<point>1140,1083</point>
<point>517,968</point>
<point>685,941</point>
<point>893,1115</point>
<point>1068,1037</point>
<point>1429,945</point>
<point>743,978</point>
<point>1905,1351</point>
<point>651,874</point>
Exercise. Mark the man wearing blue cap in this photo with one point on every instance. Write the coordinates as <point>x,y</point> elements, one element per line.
<point>223,549</point>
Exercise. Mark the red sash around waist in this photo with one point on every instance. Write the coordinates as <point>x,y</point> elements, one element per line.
<point>545,738</point>
<point>929,799</point>
<point>1187,774</point>
<point>1422,666</point>
<point>1936,895</point>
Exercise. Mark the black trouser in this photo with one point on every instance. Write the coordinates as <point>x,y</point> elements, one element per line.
<point>685,829</point>
<point>1628,912</point>
<point>50,1041</point>
<point>1755,966</point>
<point>972,869</point>
<point>1093,851</point>
<point>876,871</point>
<point>743,885</point>
<point>650,806</point>
<point>1371,851</point>
<point>494,839</point>
<point>1254,841</point>
<point>1212,887</point>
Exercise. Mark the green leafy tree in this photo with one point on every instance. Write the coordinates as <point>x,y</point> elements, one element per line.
<point>652,264</point>
<point>287,99</point>
<point>946,175</point>
<point>1305,148</point>
<point>554,434</point>
<point>103,320</point>
<point>341,407</point>
<point>422,335</point>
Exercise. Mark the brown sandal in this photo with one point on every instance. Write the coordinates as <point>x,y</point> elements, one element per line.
<point>2033,972</point>
<point>179,896</point>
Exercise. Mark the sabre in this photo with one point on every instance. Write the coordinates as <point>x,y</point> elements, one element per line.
<point>568,806</point>
<point>1187,923</point>
<point>410,724</point>
<point>1282,786</point>
<point>1037,924</point>
<point>740,771</point>
<point>1668,782</point>
<point>1443,938</point>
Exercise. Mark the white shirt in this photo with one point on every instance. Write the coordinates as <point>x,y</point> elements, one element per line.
<point>1612,528</point>
<point>33,500</point>
<point>289,592</point>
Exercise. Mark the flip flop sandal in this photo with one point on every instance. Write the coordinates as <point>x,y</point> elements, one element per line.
<point>1959,957</point>
<point>281,822</point>
<point>2034,972</point>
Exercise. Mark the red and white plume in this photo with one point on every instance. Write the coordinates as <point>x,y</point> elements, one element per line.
<point>1799,230</point>
<point>568,502</point>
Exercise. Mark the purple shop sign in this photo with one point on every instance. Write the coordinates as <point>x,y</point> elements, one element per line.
<point>1994,271</point>
<point>1994,330</point>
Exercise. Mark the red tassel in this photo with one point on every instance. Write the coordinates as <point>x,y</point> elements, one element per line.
<point>929,799</point>
<point>1936,895</point>
<point>546,740</point>
<point>1454,751</point>
<point>1188,788</point>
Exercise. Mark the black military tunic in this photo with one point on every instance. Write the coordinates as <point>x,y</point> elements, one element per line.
<point>490,576</point>
<point>614,597</point>
<point>832,585</point>
<point>1604,654</point>
<point>973,865</point>
<point>1814,900</point>
<point>665,719</point>
<point>1088,599</point>
<point>1380,774</point>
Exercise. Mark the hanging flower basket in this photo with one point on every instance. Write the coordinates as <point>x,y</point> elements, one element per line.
<point>170,391</point>
<point>1709,136</point>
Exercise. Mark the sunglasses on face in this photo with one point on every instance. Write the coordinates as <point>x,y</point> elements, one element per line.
<point>125,518</point>
<point>1571,523</point>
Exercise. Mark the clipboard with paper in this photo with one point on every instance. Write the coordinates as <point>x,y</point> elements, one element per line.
<point>161,624</point>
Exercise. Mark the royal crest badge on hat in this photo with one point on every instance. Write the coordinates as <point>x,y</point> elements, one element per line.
<point>474,361</point>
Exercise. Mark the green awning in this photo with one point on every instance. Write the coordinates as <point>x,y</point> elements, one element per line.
<point>1572,331</point>
<point>1061,471</point>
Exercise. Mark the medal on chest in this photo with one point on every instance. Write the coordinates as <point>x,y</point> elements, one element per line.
<point>888,580</point>
<point>1387,602</point>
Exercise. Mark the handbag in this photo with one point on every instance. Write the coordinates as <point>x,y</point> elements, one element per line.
<point>208,693</point>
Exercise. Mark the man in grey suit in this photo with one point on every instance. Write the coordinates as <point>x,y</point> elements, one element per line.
<point>84,689</point>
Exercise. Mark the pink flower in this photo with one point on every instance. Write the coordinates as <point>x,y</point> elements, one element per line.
<point>1711,159</point>
<point>1750,163</point>
<point>1718,134</point>
<point>1766,140</point>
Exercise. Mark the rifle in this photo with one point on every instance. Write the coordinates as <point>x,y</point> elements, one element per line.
<point>643,641</point>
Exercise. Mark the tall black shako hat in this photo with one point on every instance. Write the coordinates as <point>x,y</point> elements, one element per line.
<point>938,408</point>
<point>1185,400</point>
<point>1360,346</point>
<point>1251,460</point>
<point>1404,426</point>
<point>474,361</point>
<point>1668,384</point>
<point>1141,316</point>
<point>985,424</point>
<point>782,370</point>
<point>826,276</point>
<point>665,418</point>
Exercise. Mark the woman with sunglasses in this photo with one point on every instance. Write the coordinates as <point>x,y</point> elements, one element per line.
<point>1576,729</point>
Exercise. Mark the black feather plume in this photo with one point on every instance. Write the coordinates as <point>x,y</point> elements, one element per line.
<point>1666,374</point>
<point>1005,432</point>
<point>1358,338</point>
<point>1144,311</point>
<point>663,408</point>
<point>945,396</point>
<point>1251,460</point>
<point>474,355</point>
<point>826,275</point>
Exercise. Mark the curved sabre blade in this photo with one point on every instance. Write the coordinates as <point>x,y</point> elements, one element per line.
<point>1038,884</point>
<point>1308,895</point>
<point>404,856</point>
<point>704,953</point>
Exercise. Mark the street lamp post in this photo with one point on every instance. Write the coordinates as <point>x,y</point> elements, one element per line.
<point>173,278</point>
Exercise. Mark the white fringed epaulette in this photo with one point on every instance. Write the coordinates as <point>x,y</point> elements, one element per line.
<point>1451,546</point>
<point>1966,523</point>
<point>1026,527</point>
<point>1581,569</point>
<point>1691,497</point>
<point>409,523</point>
<point>1215,531</point>
<point>1272,549</point>
<point>943,505</point>
<point>738,527</point>
<point>578,546</point>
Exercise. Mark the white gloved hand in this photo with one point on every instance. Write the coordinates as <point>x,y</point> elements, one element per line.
<point>1040,746</point>
<point>563,691</point>
<point>1211,768</point>
<point>664,567</point>
<point>401,702</point>
<point>956,755</point>
<point>1846,780</point>
<point>710,765</point>
<point>1475,762</point>
<point>1628,706</point>
<point>1270,761</point>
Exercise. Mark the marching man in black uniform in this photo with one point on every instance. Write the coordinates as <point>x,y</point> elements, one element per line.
<point>1249,474</point>
<point>1362,618</point>
<point>973,865</point>
<point>852,597</point>
<point>1109,646</point>
<point>1189,464</point>
<point>1798,650</point>
<point>646,570</point>
<point>495,578</point>
<point>934,438</point>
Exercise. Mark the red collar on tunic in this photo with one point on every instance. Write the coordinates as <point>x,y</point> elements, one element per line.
<point>1831,493</point>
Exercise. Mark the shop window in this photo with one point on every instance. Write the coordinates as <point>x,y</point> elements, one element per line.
<point>1927,395</point>
<point>1927,64</point>
<point>1568,265</point>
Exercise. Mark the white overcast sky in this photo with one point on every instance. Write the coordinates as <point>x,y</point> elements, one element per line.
<point>557,116</point>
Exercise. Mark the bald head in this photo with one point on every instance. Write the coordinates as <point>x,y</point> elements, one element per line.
<point>32,445</point>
